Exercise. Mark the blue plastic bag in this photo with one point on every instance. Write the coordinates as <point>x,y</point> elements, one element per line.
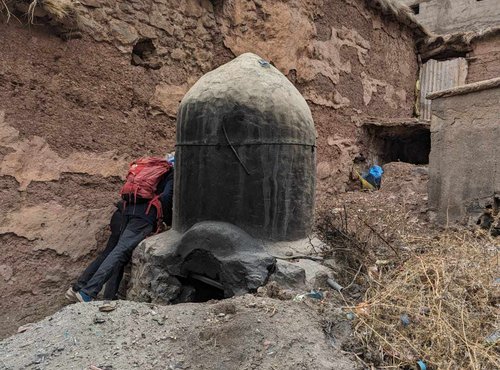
<point>374,176</point>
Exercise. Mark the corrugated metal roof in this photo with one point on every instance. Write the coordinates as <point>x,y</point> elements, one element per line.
<point>440,75</point>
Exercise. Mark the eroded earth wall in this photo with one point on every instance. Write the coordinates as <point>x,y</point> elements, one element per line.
<point>73,113</point>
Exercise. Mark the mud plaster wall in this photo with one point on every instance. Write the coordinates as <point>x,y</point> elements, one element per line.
<point>484,62</point>
<point>72,114</point>
<point>464,176</point>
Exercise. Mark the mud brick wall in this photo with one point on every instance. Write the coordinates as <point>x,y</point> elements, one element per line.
<point>484,62</point>
<point>73,113</point>
<point>464,176</point>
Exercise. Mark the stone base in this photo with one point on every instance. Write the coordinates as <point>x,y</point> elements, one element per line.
<point>163,265</point>
<point>167,267</point>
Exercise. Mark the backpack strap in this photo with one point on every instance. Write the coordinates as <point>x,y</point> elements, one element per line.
<point>155,202</point>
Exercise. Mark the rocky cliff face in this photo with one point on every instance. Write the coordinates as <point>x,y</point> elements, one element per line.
<point>73,113</point>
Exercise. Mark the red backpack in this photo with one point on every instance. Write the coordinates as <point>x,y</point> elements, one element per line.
<point>143,177</point>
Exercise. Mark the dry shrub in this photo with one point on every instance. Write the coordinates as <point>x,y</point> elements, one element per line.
<point>355,243</point>
<point>442,282</point>
<point>350,251</point>
<point>4,8</point>
<point>447,291</point>
<point>57,9</point>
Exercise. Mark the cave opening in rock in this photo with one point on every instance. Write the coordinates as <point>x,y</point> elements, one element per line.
<point>142,52</point>
<point>398,143</point>
<point>198,288</point>
<point>201,278</point>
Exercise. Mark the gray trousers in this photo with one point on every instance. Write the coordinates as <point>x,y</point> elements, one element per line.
<point>134,231</point>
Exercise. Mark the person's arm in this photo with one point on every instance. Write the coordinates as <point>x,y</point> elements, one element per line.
<point>166,197</point>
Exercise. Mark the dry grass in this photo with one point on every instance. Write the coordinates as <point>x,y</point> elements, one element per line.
<point>448,292</point>
<point>59,8</point>
<point>443,282</point>
<point>4,8</point>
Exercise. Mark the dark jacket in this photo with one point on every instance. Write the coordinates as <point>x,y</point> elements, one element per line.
<point>166,192</point>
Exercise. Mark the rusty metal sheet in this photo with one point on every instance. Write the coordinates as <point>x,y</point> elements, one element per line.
<point>440,75</point>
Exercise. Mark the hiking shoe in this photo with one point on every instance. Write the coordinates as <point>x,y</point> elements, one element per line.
<point>82,297</point>
<point>71,295</point>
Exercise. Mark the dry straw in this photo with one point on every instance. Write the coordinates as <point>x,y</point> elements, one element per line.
<point>437,300</point>
<point>58,9</point>
<point>440,306</point>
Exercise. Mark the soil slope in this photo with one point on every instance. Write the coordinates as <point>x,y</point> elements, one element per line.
<point>242,333</point>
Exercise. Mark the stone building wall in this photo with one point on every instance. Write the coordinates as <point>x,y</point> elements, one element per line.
<point>449,16</point>
<point>464,168</point>
<point>73,113</point>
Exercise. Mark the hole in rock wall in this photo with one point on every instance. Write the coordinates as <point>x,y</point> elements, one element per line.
<point>398,144</point>
<point>202,278</point>
<point>144,54</point>
<point>197,288</point>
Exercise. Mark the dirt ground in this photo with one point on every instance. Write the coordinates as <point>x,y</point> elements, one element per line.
<point>242,333</point>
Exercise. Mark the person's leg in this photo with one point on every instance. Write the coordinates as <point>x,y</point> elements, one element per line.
<point>116,228</point>
<point>113,284</point>
<point>135,231</point>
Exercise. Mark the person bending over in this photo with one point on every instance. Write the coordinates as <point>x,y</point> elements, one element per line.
<point>147,199</point>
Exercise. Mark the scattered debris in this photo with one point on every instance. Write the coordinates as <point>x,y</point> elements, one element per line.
<point>339,288</point>
<point>108,307</point>
<point>422,365</point>
<point>300,256</point>
<point>405,319</point>
<point>24,328</point>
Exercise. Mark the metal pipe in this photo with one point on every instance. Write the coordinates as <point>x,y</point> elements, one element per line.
<point>207,281</point>
<point>339,288</point>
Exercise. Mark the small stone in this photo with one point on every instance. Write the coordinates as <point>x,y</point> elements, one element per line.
<point>289,275</point>
<point>107,307</point>
<point>159,21</point>
<point>323,170</point>
<point>24,328</point>
<point>178,54</point>
<point>124,33</point>
<point>6,272</point>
